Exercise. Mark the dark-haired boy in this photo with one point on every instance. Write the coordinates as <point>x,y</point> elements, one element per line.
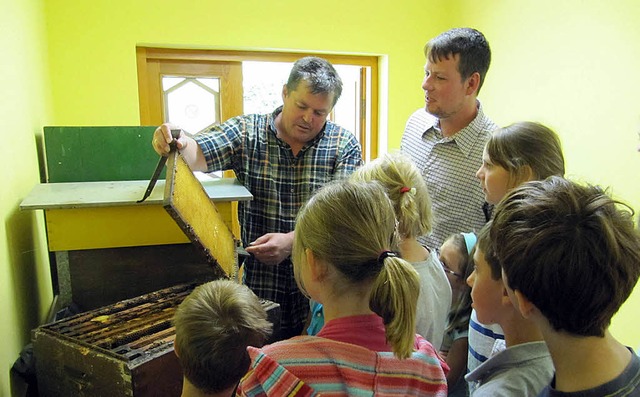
<point>570,257</point>
<point>524,368</point>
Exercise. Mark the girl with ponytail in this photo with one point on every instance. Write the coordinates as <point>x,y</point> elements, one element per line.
<point>344,257</point>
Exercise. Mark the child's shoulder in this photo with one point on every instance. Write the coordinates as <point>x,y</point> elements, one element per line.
<point>526,366</point>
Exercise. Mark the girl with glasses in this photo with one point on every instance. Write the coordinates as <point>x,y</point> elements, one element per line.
<point>456,258</point>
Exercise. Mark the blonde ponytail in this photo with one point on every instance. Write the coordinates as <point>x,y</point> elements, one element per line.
<point>406,188</point>
<point>348,224</point>
<point>394,297</point>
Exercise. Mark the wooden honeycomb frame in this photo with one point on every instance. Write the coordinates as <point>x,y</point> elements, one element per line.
<point>189,205</point>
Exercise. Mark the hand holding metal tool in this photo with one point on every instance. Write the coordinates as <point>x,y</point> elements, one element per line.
<point>163,159</point>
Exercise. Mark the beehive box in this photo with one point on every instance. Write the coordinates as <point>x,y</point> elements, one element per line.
<point>125,349</point>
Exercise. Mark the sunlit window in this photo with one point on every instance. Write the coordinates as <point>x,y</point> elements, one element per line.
<point>200,88</point>
<point>262,83</point>
<point>192,103</point>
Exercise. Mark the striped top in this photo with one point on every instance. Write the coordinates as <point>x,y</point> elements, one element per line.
<point>311,365</point>
<point>280,183</point>
<point>482,341</point>
<point>449,165</point>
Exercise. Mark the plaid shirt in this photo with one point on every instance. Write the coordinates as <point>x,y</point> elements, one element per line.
<point>449,165</point>
<point>280,183</point>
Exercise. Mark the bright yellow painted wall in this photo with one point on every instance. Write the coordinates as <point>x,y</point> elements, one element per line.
<point>573,65</point>
<point>93,43</point>
<point>25,285</point>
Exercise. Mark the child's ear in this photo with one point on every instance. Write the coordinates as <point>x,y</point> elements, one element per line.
<point>524,305</point>
<point>506,300</point>
<point>317,268</point>
<point>175,349</point>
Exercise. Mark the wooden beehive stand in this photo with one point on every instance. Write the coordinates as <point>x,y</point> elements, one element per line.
<point>126,349</point>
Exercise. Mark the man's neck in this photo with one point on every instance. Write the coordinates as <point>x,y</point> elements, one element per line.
<point>296,147</point>
<point>579,360</point>
<point>453,124</point>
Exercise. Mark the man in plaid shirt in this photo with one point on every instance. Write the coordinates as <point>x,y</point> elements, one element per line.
<point>281,158</point>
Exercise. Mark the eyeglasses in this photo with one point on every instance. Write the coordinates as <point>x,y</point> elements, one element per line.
<point>446,268</point>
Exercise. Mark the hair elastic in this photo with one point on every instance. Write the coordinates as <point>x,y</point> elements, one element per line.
<point>469,240</point>
<point>385,254</point>
<point>406,189</point>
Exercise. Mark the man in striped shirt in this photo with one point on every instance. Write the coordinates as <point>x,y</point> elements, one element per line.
<point>446,138</point>
<point>281,158</point>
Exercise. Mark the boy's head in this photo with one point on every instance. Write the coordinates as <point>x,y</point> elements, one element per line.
<point>570,250</point>
<point>487,289</point>
<point>214,325</point>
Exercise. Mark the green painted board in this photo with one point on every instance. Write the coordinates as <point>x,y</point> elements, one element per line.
<point>92,154</point>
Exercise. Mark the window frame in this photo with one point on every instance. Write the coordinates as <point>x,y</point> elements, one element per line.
<point>147,57</point>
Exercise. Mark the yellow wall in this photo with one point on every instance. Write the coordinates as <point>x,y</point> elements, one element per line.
<point>93,43</point>
<point>572,64</point>
<point>25,285</point>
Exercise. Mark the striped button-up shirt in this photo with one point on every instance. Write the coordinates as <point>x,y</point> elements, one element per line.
<point>449,165</point>
<point>280,183</point>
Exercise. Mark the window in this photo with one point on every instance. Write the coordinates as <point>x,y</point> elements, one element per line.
<point>199,88</point>
<point>193,103</point>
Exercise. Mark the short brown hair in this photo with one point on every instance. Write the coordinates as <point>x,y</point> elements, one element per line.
<point>484,245</point>
<point>570,249</point>
<point>469,44</point>
<point>214,326</point>
<point>319,74</point>
<point>528,144</point>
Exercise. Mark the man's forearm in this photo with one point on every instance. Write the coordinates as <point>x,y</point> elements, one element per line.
<point>193,155</point>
